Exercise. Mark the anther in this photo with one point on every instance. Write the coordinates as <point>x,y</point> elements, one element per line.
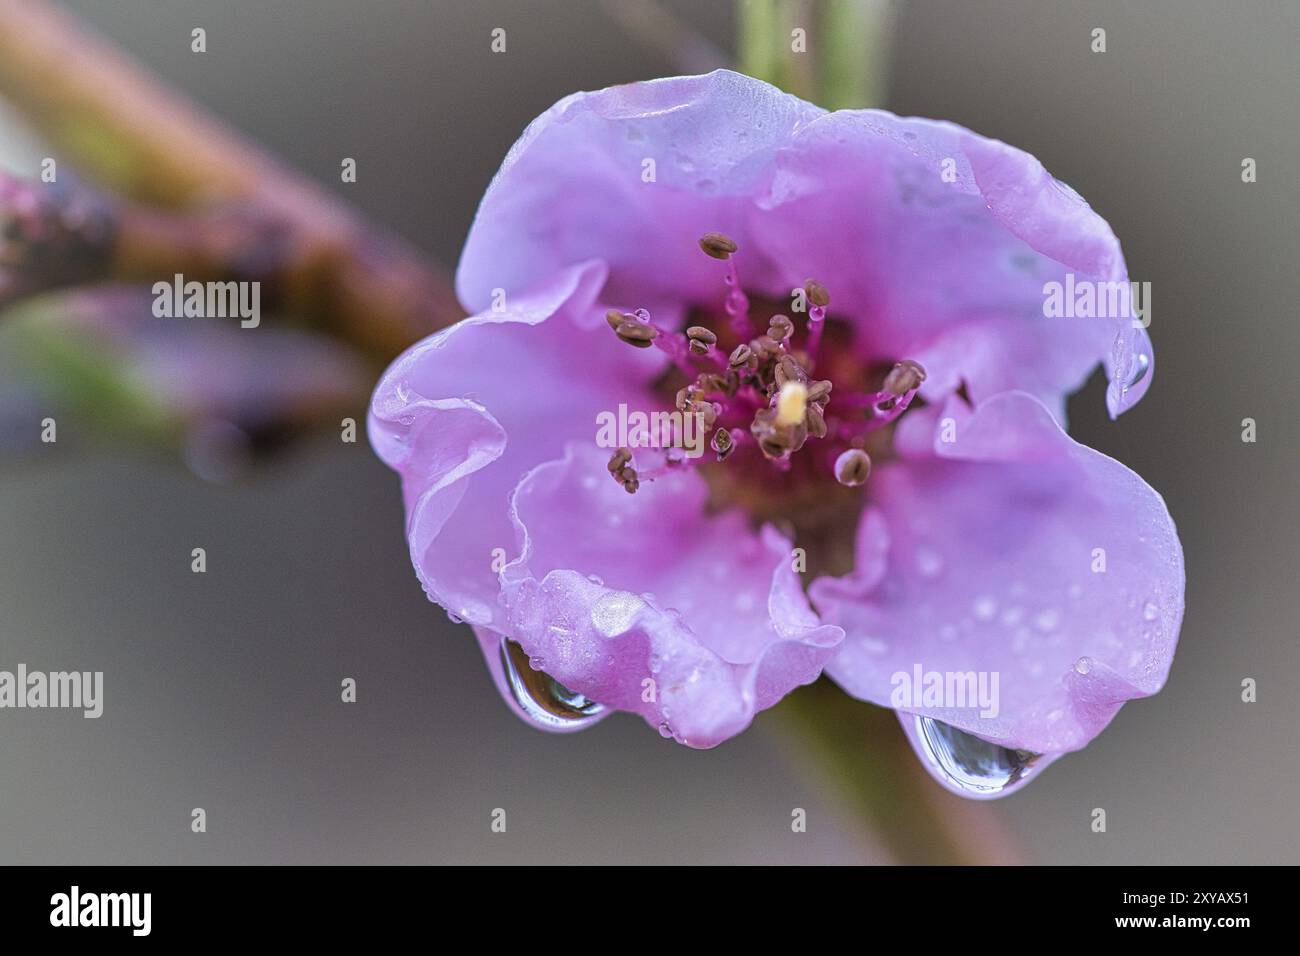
<point>788,369</point>
<point>616,318</point>
<point>791,403</point>
<point>717,245</point>
<point>817,293</point>
<point>637,333</point>
<point>815,421</point>
<point>765,347</point>
<point>687,397</point>
<point>819,391</point>
<point>701,339</point>
<point>904,377</point>
<point>618,460</point>
<point>722,444</point>
<point>780,327</point>
<point>853,467</point>
<point>625,474</point>
<point>741,356</point>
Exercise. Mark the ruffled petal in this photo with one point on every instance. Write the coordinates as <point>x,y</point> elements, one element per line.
<point>940,243</point>
<point>463,415</point>
<point>575,186</point>
<point>644,604</point>
<point>937,242</point>
<point>993,564</point>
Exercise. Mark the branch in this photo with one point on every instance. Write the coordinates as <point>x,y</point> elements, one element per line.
<point>122,128</point>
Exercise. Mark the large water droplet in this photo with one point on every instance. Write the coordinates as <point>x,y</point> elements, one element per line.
<point>1141,365</point>
<point>545,701</point>
<point>967,764</point>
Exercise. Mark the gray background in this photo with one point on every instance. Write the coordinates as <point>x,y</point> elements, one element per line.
<point>222,689</point>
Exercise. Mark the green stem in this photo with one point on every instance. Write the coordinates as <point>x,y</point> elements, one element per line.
<point>869,767</point>
<point>855,40</point>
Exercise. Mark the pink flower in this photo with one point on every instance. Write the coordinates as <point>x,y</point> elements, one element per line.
<point>987,542</point>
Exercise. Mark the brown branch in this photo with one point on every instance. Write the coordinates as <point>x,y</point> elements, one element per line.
<point>121,127</point>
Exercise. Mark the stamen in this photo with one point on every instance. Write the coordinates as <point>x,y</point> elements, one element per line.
<point>815,421</point>
<point>700,339</point>
<point>621,470</point>
<point>616,318</point>
<point>723,444</point>
<point>637,333</point>
<point>743,357</point>
<point>780,328</point>
<point>904,377</point>
<point>817,293</point>
<point>721,246</point>
<point>853,467</point>
<point>792,403</point>
<point>818,299</point>
<point>819,391</point>
<point>717,245</point>
<point>618,460</point>
<point>788,369</point>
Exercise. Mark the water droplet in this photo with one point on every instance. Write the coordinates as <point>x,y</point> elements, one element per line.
<point>615,612</point>
<point>545,701</point>
<point>455,618</point>
<point>985,608</point>
<point>1141,363</point>
<point>969,764</point>
<point>1150,612</point>
<point>1083,665</point>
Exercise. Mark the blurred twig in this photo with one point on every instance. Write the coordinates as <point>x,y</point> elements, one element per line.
<point>122,128</point>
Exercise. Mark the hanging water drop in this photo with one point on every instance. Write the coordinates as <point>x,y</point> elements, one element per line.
<point>544,701</point>
<point>967,764</point>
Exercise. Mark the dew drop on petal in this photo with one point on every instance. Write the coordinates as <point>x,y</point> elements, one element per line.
<point>544,701</point>
<point>968,764</point>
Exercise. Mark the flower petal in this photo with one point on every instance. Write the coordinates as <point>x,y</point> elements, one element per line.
<point>940,243</point>
<point>463,415</point>
<point>937,242</point>
<point>994,548</point>
<point>575,186</point>
<point>613,590</point>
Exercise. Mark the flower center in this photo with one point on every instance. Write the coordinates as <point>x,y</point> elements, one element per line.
<point>795,416</point>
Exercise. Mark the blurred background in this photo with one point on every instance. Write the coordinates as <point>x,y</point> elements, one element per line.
<point>222,689</point>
